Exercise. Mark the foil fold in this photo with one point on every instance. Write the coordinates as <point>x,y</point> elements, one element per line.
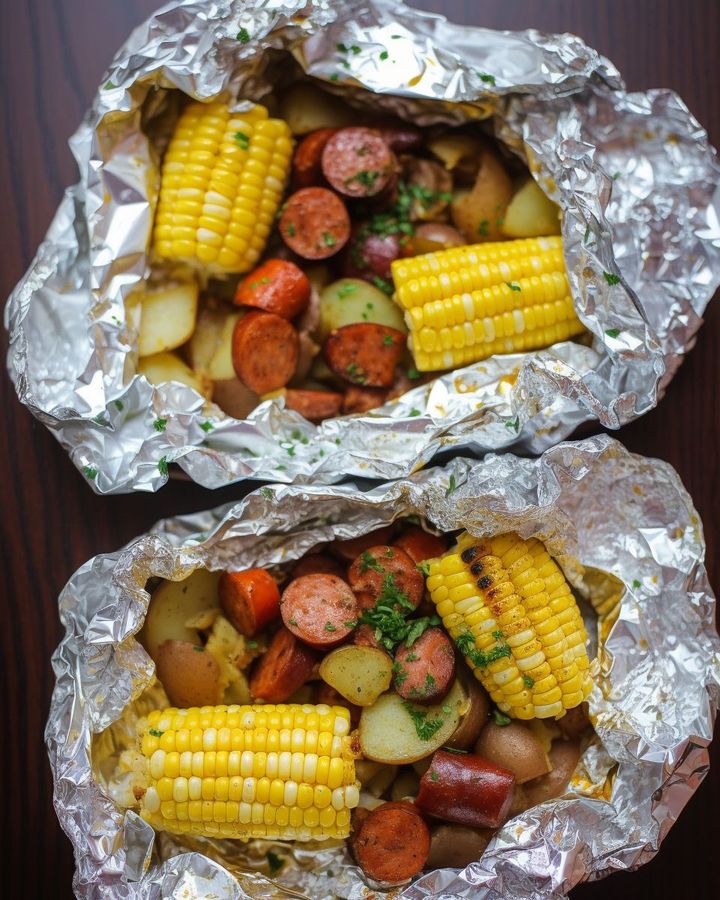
<point>616,522</point>
<point>634,173</point>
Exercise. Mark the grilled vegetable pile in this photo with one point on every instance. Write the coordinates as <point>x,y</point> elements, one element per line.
<point>375,692</point>
<point>336,259</point>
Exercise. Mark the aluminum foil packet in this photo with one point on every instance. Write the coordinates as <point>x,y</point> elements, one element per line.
<point>634,174</point>
<point>620,525</point>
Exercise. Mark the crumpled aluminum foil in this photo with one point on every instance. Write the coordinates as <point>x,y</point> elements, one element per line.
<point>656,670</point>
<point>634,173</point>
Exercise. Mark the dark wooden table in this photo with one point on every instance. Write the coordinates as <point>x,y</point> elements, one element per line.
<point>52,56</point>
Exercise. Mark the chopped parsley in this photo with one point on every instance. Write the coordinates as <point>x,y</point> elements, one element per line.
<point>368,561</point>
<point>500,718</point>
<point>341,48</point>
<point>90,471</point>
<point>328,239</point>
<point>207,427</point>
<point>119,405</point>
<point>426,687</point>
<point>242,139</point>
<point>465,642</point>
<point>290,230</point>
<point>452,485</point>
<point>383,284</point>
<point>243,36</point>
<point>275,862</point>
<point>412,657</point>
<point>412,373</point>
<point>160,424</point>
<point>424,567</point>
<point>155,733</point>
<point>100,419</point>
<point>388,341</point>
<point>330,627</point>
<point>365,177</point>
<point>346,290</point>
<point>292,622</point>
<point>389,619</point>
<point>636,584</point>
<point>163,465</point>
<point>611,278</point>
<point>355,49</point>
<point>384,55</point>
<point>425,727</point>
<point>251,644</point>
<point>488,79</point>
<point>447,708</point>
<point>513,285</point>
<point>414,412</point>
<point>513,423</point>
<point>434,776</point>
<point>399,674</point>
<point>612,332</point>
<point>266,492</point>
<point>483,228</point>
<point>334,76</point>
<point>355,372</point>
<point>586,235</point>
<point>419,627</point>
<point>528,681</point>
<point>351,623</point>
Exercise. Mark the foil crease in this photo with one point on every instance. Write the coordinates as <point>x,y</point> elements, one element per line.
<point>657,673</point>
<point>557,103</point>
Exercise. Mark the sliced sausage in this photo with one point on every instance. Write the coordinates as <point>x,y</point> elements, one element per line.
<point>420,544</point>
<point>315,223</point>
<point>391,843</point>
<point>277,286</point>
<point>320,609</point>
<point>360,399</point>
<point>466,789</point>
<point>358,162</point>
<point>284,667</point>
<point>314,405</point>
<point>401,137</point>
<point>306,164</point>
<point>353,547</point>
<point>264,351</point>
<point>369,573</point>
<point>365,353</point>
<point>425,671</point>
<point>249,599</point>
<point>317,564</point>
<point>364,636</point>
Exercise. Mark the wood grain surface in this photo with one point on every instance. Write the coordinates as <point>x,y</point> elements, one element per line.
<point>52,56</point>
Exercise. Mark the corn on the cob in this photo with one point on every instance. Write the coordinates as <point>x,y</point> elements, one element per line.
<point>284,772</point>
<point>221,184</point>
<point>467,303</point>
<point>510,611</point>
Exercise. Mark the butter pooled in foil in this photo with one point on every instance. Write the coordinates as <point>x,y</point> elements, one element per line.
<point>610,518</point>
<point>642,250</point>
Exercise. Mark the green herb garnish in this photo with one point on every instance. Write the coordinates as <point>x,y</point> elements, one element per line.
<point>207,427</point>
<point>500,718</point>
<point>384,55</point>
<point>382,284</point>
<point>242,139</point>
<point>419,627</point>
<point>163,465</point>
<point>346,290</point>
<point>513,285</point>
<point>636,584</point>
<point>290,229</point>
<point>243,36</point>
<point>611,278</point>
<point>292,622</point>
<point>528,681</point>
<point>159,424</point>
<point>612,332</point>
<point>328,239</point>
<point>434,776</point>
<point>155,733</point>
<point>266,492</point>
<point>365,177</point>
<point>90,472</point>
<point>425,727</point>
<point>483,228</point>
<point>330,627</point>
<point>424,567</point>
<point>452,485</point>
<point>334,76</point>
<point>119,405</point>
<point>412,373</point>
<point>513,423</point>
<point>488,79</point>
<point>399,674</point>
<point>368,561</point>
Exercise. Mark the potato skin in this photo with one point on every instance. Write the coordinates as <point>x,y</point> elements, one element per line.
<point>188,673</point>
<point>476,718</point>
<point>564,757</point>
<point>513,747</point>
<point>456,846</point>
<point>478,213</point>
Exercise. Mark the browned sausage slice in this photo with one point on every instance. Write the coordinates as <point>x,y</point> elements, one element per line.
<point>360,400</point>
<point>317,564</point>
<point>314,405</point>
<point>420,544</point>
<point>358,162</point>
<point>319,609</point>
<point>425,671</point>
<point>314,223</point>
<point>306,164</point>
<point>277,286</point>
<point>466,789</point>
<point>352,547</point>
<point>264,351</point>
<point>284,667</point>
<point>364,636</point>
<point>392,843</point>
<point>369,573</point>
<point>365,353</point>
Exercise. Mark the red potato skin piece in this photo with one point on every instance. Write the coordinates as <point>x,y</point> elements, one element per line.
<point>250,600</point>
<point>420,544</point>
<point>370,255</point>
<point>466,789</point>
<point>365,353</point>
<point>424,673</point>
<point>391,843</point>
<point>265,350</point>
<point>307,161</point>
<point>358,162</point>
<point>347,550</point>
<point>317,564</point>
<point>361,400</point>
<point>314,223</point>
<point>320,610</point>
<point>284,667</point>
<point>367,582</point>
<point>314,405</point>
<point>277,286</point>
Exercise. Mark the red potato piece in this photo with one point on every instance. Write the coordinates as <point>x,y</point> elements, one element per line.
<point>317,564</point>
<point>277,286</point>
<point>265,351</point>
<point>424,673</point>
<point>352,547</point>
<point>249,599</point>
<point>307,161</point>
<point>466,789</point>
<point>358,162</point>
<point>314,405</point>
<point>431,186</point>
<point>369,570</point>
<point>360,400</point>
<point>321,610</point>
<point>370,255</point>
<point>391,843</point>
<point>365,353</point>
<point>364,636</point>
<point>315,223</point>
<point>284,667</point>
<point>420,544</point>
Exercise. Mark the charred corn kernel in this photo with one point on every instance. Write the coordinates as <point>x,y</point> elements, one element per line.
<point>221,184</point>
<point>467,303</point>
<point>304,791</point>
<point>507,605</point>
